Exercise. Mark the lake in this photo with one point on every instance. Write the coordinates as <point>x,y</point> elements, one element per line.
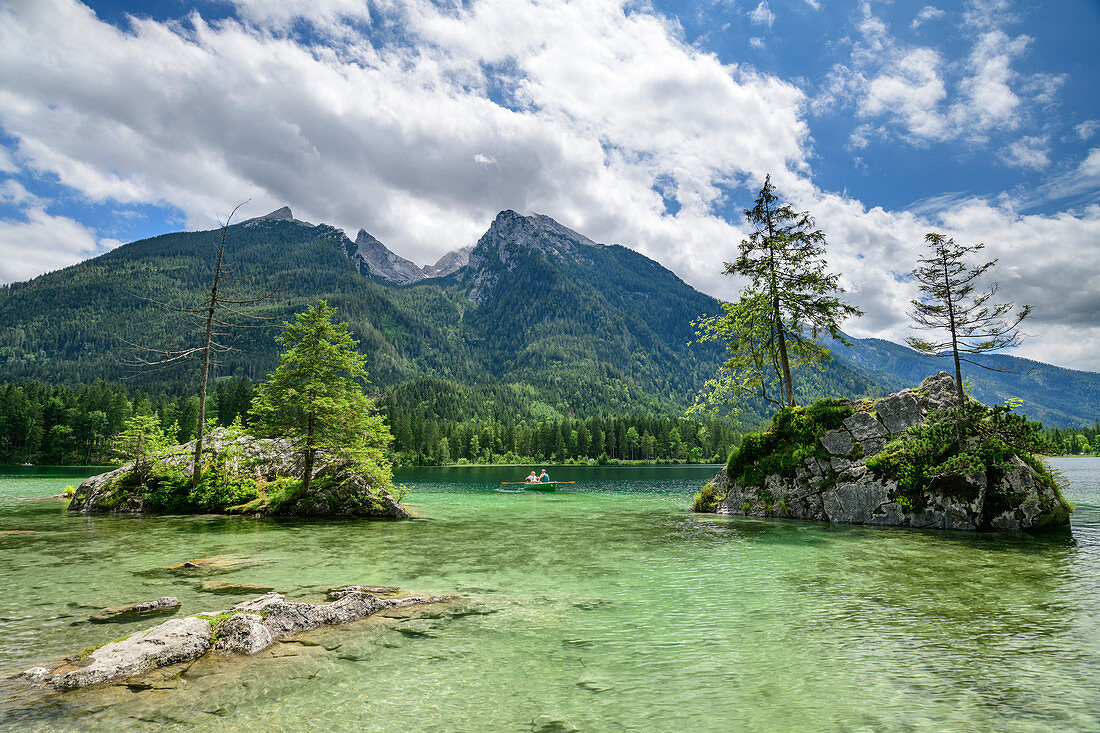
<point>607,608</point>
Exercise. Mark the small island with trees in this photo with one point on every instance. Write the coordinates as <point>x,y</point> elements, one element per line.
<point>317,448</point>
<point>929,457</point>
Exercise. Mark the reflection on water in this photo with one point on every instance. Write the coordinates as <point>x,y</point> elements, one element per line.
<point>608,607</point>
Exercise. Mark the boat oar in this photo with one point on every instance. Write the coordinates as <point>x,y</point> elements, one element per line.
<point>535,483</point>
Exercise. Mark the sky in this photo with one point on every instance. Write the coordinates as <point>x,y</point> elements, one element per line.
<point>647,124</point>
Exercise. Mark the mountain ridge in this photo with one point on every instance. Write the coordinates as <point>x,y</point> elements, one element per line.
<point>577,326</point>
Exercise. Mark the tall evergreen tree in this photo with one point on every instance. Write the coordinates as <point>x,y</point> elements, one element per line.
<point>791,299</point>
<point>949,303</point>
<point>315,398</point>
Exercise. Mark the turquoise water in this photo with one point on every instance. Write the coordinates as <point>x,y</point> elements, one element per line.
<point>610,607</point>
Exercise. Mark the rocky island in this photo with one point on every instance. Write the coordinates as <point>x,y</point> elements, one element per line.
<point>243,475</point>
<point>912,459</point>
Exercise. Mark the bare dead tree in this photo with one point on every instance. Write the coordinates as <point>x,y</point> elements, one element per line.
<point>212,330</point>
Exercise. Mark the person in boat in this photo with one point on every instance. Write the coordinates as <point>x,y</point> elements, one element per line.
<point>544,477</point>
<point>532,478</point>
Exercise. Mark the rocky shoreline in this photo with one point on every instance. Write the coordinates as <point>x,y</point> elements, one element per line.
<point>835,484</point>
<point>245,629</point>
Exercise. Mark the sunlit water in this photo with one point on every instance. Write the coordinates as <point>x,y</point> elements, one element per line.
<point>610,607</point>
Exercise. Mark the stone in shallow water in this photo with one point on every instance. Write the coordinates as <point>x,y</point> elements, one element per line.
<point>223,587</point>
<point>176,640</point>
<point>204,566</point>
<point>133,611</point>
<point>243,633</point>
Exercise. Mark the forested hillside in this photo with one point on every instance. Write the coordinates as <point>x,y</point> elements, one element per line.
<point>541,332</point>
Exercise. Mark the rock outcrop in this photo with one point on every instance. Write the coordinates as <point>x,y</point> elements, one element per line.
<point>247,628</point>
<point>835,484</point>
<point>336,490</point>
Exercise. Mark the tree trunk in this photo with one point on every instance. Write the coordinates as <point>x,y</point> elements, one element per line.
<point>954,338</point>
<point>784,362</point>
<point>311,452</point>
<point>196,471</point>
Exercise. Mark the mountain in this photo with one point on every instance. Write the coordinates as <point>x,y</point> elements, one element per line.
<point>533,317</point>
<point>1055,396</point>
<point>373,258</point>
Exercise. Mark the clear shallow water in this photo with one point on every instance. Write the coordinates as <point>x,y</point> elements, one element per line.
<point>608,608</point>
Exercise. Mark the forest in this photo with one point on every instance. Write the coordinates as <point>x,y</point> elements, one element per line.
<point>46,424</point>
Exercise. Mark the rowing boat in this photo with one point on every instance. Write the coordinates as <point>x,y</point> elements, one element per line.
<point>538,486</point>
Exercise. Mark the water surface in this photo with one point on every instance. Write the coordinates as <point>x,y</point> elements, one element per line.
<point>610,607</point>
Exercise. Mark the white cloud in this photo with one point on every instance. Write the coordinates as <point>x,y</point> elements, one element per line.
<point>756,42</point>
<point>1087,129</point>
<point>7,163</point>
<point>913,92</point>
<point>927,13</point>
<point>42,243</point>
<point>762,15</point>
<point>605,105</point>
<point>1090,166</point>
<point>14,192</point>
<point>1028,152</point>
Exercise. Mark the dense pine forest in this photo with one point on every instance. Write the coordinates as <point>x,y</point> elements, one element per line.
<point>47,424</point>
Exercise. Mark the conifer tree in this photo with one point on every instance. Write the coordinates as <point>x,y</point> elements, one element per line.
<point>790,301</point>
<point>949,303</point>
<point>315,398</point>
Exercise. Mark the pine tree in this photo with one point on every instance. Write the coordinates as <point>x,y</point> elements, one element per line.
<point>791,299</point>
<point>948,303</point>
<point>315,398</point>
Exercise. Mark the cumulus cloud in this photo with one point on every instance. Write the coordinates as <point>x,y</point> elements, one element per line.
<point>41,243</point>
<point>1027,152</point>
<point>1087,129</point>
<point>588,112</point>
<point>912,92</point>
<point>762,15</point>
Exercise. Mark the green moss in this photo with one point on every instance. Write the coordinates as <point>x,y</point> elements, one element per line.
<point>794,435</point>
<point>937,456</point>
<point>706,499</point>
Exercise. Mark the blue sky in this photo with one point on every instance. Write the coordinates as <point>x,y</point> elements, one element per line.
<point>650,124</point>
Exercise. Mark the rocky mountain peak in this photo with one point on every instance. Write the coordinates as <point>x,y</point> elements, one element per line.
<point>374,259</point>
<point>281,214</point>
<point>511,239</point>
<point>536,231</point>
<point>450,262</point>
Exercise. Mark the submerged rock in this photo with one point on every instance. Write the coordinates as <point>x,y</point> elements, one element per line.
<point>222,587</point>
<point>836,485</point>
<point>176,640</point>
<point>133,611</point>
<point>248,628</point>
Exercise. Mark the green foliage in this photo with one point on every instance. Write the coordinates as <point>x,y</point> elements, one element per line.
<point>706,499</point>
<point>790,301</point>
<point>938,454</point>
<point>315,397</point>
<point>793,436</point>
<point>271,497</point>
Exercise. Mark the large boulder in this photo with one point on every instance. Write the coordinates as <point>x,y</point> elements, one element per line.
<point>835,484</point>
